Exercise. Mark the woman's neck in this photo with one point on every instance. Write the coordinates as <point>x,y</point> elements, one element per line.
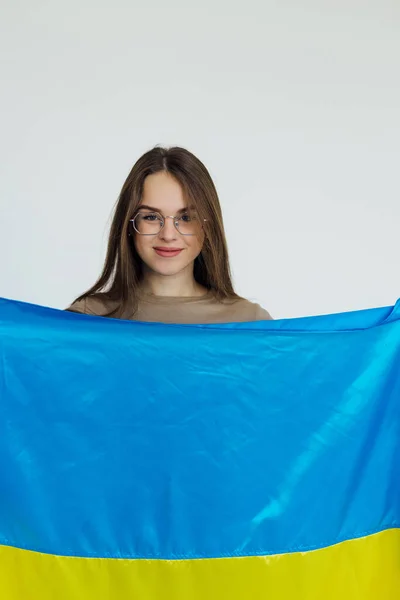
<point>180,285</point>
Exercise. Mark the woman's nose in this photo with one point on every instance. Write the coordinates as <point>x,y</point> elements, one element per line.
<point>169,232</point>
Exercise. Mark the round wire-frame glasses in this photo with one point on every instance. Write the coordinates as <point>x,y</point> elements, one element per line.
<point>152,223</point>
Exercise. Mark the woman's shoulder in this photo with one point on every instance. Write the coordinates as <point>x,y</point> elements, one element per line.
<point>98,305</point>
<point>245,310</point>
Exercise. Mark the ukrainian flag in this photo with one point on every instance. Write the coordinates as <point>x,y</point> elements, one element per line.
<point>148,461</point>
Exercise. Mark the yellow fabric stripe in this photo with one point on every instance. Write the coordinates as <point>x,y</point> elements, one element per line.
<point>363,569</point>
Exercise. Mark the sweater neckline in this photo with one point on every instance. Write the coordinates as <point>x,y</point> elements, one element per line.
<point>154,299</point>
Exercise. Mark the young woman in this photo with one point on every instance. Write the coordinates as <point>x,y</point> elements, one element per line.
<point>167,257</point>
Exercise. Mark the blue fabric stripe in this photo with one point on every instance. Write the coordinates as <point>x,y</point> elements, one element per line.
<point>141,440</point>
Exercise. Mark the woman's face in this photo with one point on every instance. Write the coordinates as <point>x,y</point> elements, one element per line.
<point>168,252</point>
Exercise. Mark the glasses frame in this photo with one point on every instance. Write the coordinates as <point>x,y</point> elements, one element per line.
<point>175,219</point>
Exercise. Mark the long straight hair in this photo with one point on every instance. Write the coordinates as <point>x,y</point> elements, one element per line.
<point>119,282</point>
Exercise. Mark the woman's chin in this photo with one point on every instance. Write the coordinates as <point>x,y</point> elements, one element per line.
<point>166,269</point>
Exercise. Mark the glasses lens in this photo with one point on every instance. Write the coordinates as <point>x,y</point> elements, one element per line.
<point>148,223</point>
<point>188,224</point>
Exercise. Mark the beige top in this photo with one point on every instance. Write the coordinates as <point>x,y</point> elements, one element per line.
<point>180,310</point>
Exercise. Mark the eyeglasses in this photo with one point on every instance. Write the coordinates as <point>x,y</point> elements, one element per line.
<point>151,223</point>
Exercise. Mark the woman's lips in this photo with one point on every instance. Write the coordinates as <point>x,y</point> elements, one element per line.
<point>168,252</point>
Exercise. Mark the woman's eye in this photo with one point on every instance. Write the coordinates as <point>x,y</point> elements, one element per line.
<point>150,217</point>
<point>186,218</point>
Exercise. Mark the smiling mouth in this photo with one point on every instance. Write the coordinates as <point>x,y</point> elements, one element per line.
<point>168,252</point>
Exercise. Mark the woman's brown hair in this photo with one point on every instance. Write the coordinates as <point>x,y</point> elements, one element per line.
<point>119,281</point>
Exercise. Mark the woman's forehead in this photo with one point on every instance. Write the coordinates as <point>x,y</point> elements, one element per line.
<point>163,193</point>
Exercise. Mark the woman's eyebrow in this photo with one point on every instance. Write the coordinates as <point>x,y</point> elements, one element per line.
<point>146,207</point>
<point>152,209</point>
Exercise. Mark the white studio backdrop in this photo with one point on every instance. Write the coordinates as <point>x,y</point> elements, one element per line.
<point>294,107</point>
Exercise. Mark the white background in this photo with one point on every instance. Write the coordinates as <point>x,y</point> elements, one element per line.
<point>292,105</point>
